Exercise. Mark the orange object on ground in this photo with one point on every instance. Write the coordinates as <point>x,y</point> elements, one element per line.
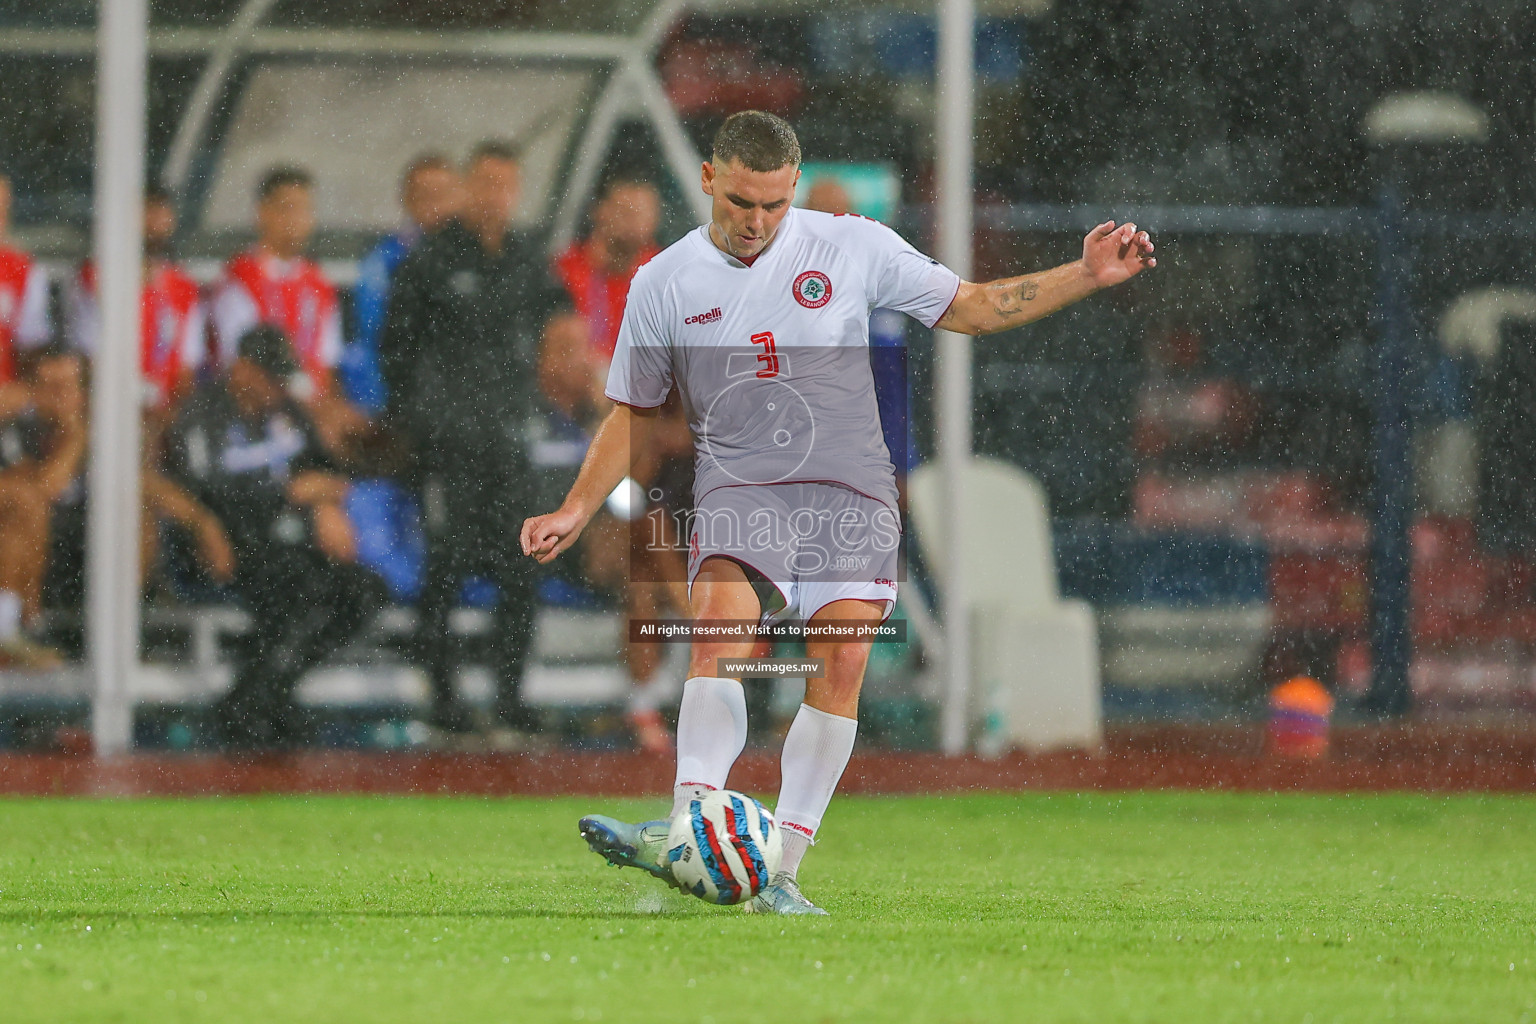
<point>1300,710</point>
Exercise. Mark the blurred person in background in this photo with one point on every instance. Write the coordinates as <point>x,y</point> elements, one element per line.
<point>459,353</point>
<point>25,508</point>
<point>430,193</point>
<point>887,332</point>
<point>173,344</point>
<point>596,270</point>
<point>173,321</point>
<point>23,296</point>
<point>42,442</point>
<point>248,450</point>
<point>640,557</point>
<point>274,283</point>
<point>828,195</point>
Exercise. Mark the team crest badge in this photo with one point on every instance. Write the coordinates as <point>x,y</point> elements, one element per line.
<point>813,289</point>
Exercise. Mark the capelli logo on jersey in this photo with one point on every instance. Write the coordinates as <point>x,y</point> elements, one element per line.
<point>881,581</point>
<point>704,318</point>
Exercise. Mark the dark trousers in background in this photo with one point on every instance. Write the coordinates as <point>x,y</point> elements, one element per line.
<point>473,515</point>
<point>303,606</point>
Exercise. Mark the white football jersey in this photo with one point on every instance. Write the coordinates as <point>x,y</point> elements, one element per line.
<point>771,360</point>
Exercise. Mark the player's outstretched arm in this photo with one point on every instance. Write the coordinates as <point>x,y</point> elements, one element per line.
<point>623,434</point>
<point>1111,256</point>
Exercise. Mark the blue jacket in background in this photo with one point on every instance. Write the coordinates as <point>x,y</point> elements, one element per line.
<point>893,387</point>
<point>359,369</point>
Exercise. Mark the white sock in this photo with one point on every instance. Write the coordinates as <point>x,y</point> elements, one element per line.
<point>10,615</point>
<point>795,845</point>
<point>815,753</point>
<point>711,731</point>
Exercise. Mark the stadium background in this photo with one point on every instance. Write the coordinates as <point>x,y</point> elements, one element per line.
<point>1287,550</point>
<point>1212,442</point>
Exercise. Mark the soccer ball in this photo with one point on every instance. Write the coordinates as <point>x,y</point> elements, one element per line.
<point>724,848</point>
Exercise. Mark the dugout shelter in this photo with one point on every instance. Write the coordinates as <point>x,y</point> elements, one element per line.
<point>560,83</point>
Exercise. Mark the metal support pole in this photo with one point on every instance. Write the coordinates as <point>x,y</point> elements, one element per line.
<point>683,160</point>
<point>210,86</point>
<point>612,101</point>
<point>1392,478</point>
<point>113,542</point>
<point>952,135</point>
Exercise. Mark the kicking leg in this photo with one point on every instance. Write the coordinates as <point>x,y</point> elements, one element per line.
<point>711,724</point>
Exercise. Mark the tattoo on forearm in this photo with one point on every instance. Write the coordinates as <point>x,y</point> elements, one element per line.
<point>1010,299</point>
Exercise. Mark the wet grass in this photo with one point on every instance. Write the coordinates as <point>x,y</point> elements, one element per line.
<point>1144,907</point>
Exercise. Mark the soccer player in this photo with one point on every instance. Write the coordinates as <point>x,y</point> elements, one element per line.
<point>596,272</point>
<point>173,344</point>
<point>25,507</point>
<point>41,447</point>
<point>248,452</point>
<point>431,193</point>
<point>760,318</point>
<point>173,322</point>
<point>23,296</point>
<point>274,283</point>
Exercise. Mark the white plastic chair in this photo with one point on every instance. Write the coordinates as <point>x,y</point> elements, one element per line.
<point>1472,325</point>
<point>1035,657</point>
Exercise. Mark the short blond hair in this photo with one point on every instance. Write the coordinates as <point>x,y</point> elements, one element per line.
<point>757,140</point>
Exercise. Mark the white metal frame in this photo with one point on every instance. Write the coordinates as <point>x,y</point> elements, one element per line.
<point>113,543</point>
<point>956,218</point>
<point>123,43</point>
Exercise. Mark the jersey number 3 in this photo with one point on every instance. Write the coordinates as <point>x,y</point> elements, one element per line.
<point>769,356</point>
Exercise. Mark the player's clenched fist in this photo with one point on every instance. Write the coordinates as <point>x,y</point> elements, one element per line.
<point>1116,254</point>
<point>545,537</point>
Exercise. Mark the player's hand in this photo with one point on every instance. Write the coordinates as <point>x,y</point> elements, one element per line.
<point>545,537</point>
<point>1114,255</point>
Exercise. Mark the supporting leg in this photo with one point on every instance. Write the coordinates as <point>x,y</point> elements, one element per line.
<point>821,737</point>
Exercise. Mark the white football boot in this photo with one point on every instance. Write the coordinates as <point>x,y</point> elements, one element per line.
<point>783,896</point>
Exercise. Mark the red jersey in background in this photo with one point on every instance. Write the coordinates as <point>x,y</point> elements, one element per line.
<point>598,297</point>
<point>23,308</point>
<point>172,321</point>
<point>292,295</point>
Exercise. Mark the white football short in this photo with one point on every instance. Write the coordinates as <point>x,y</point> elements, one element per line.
<point>815,542</point>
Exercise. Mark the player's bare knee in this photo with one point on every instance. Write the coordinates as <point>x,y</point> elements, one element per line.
<point>847,661</point>
<point>705,657</point>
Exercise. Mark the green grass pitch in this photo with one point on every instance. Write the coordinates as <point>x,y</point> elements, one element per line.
<point>1036,907</point>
